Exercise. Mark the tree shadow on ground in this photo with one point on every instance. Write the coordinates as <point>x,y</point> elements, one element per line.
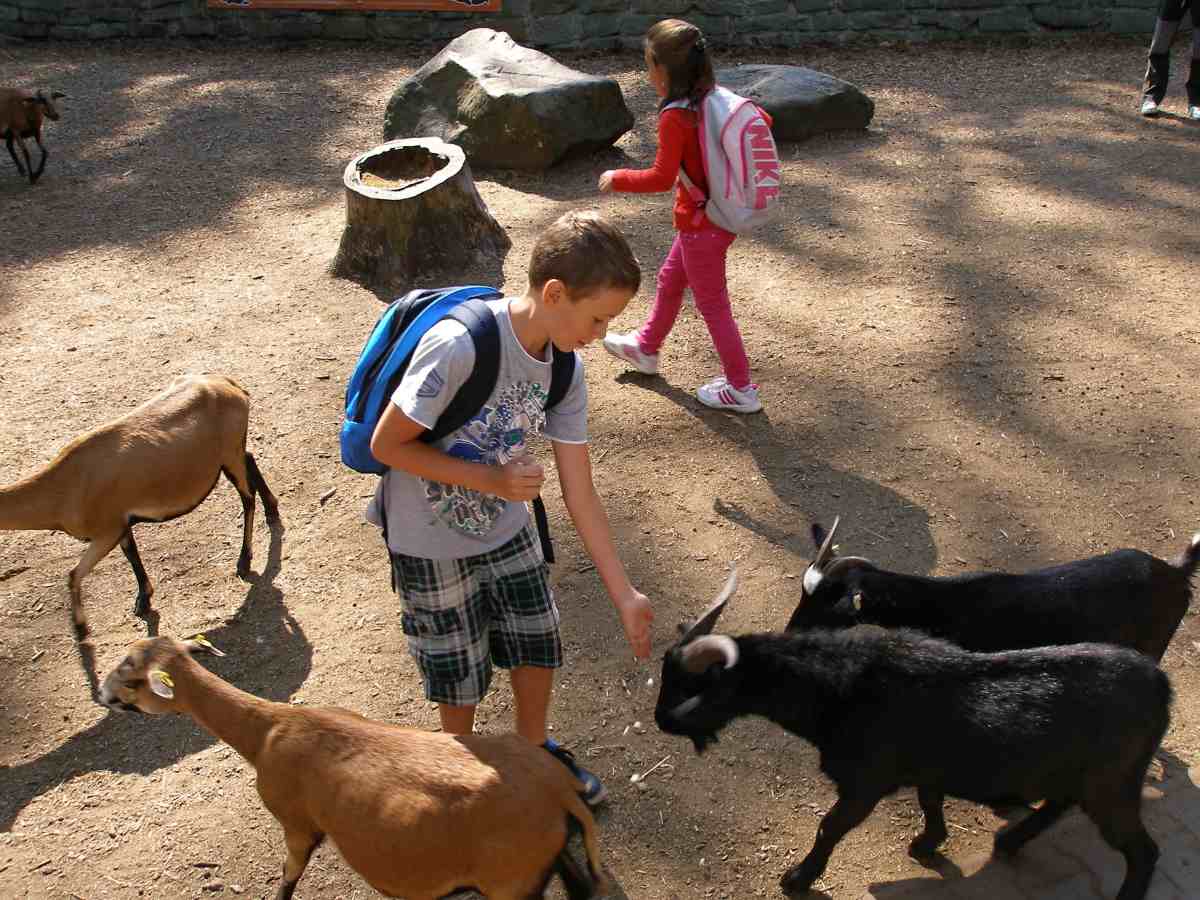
<point>268,656</point>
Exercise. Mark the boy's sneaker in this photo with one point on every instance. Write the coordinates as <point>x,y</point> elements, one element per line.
<point>720,394</point>
<point>1150,107</point>
<point>625,347</point>
<point>1194,113</point>
<point>594,792</point>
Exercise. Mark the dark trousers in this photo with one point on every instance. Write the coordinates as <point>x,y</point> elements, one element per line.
<point>1158,69</point>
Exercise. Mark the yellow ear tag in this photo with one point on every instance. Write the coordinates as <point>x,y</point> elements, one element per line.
<point>200,642</point>
<point>161,684</point>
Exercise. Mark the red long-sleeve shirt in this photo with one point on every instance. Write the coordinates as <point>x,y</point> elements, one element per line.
<point>678,144</point>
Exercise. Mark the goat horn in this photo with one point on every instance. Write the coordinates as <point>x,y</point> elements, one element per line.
<point>704,624</point>
<point>711,648</point>
<point>827,547</point>
<point>845,562</point>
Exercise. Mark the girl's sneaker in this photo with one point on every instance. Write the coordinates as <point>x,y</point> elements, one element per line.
<point>594,792</point>
<point>720,394</point>
<point>1150,107</point>
<point>625,347</point>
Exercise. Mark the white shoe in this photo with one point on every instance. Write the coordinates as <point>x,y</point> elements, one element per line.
<point>1150,107</point>
<point>720,394</point>
<point>625,347</point>
<point>1194,113</point>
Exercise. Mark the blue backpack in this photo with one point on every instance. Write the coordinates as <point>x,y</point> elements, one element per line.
<point>389,351</point>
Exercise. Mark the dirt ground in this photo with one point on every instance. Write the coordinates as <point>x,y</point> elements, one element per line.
<point>976,337</point>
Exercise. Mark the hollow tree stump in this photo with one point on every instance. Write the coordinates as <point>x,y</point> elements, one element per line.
<point>412,210</point>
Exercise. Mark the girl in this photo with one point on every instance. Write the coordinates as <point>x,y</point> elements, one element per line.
<point>679,68</point>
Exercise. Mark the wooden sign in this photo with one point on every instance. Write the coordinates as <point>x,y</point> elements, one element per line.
<point>363,5</point>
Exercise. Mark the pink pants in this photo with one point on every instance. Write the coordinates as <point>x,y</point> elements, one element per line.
<point>697,260</point>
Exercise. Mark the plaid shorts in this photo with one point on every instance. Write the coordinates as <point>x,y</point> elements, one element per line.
<point>462,616</point>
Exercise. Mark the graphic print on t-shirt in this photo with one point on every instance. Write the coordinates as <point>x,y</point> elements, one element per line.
<point>495,436</point>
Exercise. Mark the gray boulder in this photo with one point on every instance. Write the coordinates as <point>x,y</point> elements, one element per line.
<point>507,106</point>
<point>802,102</point>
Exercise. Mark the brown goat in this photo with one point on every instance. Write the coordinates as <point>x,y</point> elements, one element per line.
<point>155,463</point>
<point>21,115</point>
<point>417,814</point>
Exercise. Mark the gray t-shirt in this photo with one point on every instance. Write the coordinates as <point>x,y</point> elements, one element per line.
<point>441,521</point>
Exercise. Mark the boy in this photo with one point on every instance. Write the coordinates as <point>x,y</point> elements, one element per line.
<point>468,566</point>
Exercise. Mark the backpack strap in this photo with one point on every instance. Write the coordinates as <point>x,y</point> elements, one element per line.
<point>698,196</point>
<point>479,320</point>
<point>480,323</point>
<point>562,373</point>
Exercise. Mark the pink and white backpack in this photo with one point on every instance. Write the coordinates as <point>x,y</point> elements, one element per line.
<point>740,161</point>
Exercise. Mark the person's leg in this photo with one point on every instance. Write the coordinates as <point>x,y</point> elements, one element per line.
<point>524,638</point>
<point>704,255</point>
<point>1158,68</point>
<point>532,686</point>
<point>1193,82</point>
<point>445,624</point>
<point>668,299</point>
<point>456,719</point>
<point>524,627</point>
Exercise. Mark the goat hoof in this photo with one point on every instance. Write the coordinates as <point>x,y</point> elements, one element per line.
<point>924,847</point>
<point>796,880</point>
<point>243,566</point>
<point>82,631</point>
<point>141,607</point>
<point>273,517</point>
<point>1004,846</point>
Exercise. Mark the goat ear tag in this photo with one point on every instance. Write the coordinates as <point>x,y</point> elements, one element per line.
<point>203,643</point>
<point>857,601</point>
<point>161,684</point>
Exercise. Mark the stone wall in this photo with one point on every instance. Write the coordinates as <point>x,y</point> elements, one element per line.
<point>586,23</point>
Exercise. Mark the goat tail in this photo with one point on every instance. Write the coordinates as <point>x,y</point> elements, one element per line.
<point>1190,558</point>
<point>578,811</point>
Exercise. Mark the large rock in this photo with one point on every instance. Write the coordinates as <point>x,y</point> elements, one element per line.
<point>507,106</point>
<point>802,102</point>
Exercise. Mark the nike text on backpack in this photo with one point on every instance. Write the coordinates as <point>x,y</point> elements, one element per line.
<point>740,161</point>
<point>388,352</point>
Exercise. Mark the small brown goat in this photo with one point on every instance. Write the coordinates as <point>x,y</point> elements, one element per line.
<point>417,814</point>
<point>155,463</point>
<point>21,115</point>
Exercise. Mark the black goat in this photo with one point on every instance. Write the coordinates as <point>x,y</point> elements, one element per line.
<point>895,708</point>
<point>1126,597</point>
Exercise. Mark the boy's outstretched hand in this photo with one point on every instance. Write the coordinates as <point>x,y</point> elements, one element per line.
<point>636,618</point>
<point>605,183</point>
